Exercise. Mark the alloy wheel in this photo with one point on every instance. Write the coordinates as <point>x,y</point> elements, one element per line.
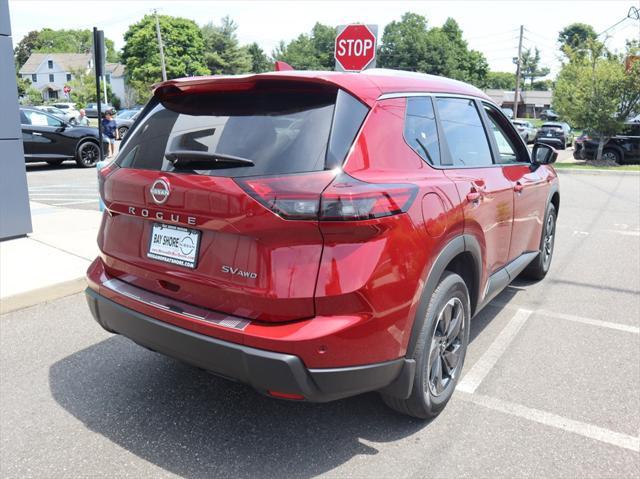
<point>549,235</point>
<point>609,156</point>
<point>89,154</point>
<point>446,346</point>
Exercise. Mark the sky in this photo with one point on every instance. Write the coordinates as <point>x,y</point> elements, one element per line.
<point>489,26</point>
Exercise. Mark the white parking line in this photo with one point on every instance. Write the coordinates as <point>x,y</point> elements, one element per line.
<point>553,420</point>
<point>576,319</point>
<point>470,382</point>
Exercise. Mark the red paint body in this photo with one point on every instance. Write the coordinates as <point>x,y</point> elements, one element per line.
<point>334,293</point>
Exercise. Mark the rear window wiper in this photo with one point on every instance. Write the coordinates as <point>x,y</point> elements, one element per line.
<point>202,160</point>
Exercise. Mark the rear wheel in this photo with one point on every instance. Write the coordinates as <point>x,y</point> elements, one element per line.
<point>539,267</point>
<point>440,350</point>
<point>611,155</point>
<point>122,131</point>
<point>88,154</point>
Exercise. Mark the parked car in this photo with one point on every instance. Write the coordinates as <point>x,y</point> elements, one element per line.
<point>526,130</point>
<point>67,117</point>
<point>67,107</point>
<point>549,115</point>
<point>621,148</point>
<point>124,122</point>
<point>315,235</point>
<point>557,134</point>
<point>48,138</point>
<point>508,112</point>
<point>125,114</point>
<point>91,110</point>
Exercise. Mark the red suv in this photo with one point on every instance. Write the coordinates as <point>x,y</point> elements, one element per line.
<point>318,234</point>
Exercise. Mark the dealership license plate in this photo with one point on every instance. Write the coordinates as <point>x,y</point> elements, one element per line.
<point>174,244</point>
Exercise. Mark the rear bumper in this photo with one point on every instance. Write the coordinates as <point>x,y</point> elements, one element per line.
<point>263,370</point>
<point>551,141</point>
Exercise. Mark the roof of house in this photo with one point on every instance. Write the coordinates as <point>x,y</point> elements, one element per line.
<point>116,69</point>
<point>68,61</point>
<point>368,85</point>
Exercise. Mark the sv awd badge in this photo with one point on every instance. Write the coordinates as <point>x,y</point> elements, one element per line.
<point>238,272</point>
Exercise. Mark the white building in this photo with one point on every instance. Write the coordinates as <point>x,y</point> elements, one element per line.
<point>50,72</point>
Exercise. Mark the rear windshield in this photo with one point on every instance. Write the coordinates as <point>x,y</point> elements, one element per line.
<point>281,132</point>
<point>551,126</point>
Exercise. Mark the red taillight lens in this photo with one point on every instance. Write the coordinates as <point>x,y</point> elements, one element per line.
<point>103,173</point>
<point>308,196</point>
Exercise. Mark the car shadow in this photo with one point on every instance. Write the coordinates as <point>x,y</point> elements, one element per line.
<point>42,166</point>
<point>195,424</point>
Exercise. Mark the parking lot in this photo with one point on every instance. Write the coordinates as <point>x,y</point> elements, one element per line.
<point>551,386</point>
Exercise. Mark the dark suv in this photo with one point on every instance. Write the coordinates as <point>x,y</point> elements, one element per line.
<point>318,234</point>
<point>556,134</point>
<point>621,148</point>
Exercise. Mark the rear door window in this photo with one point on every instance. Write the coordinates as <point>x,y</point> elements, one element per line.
<point>279,131</point>
<point>464,133</point>
<point>420,129</point>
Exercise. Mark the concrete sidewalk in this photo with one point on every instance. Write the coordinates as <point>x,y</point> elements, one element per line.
<point>52,261</point>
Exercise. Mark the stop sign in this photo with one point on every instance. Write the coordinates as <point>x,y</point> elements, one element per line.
<point>355,48</point>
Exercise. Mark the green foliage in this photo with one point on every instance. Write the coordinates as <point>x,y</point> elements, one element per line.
<point>222,53</point>
<point>542,85</point>
<point>259,61</point>
<point>530,66</point>
<point>594,91</point>
<point>500,80</point>
<point>23,85</point>
<point>183,51</point>
<point>83,90</point>
<point>409,44</point>
<point>576,36</point>
<point>310,52</point>
<point>59,41</point>
<point>33,97</point>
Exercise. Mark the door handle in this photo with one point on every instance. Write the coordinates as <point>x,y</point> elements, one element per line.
<point>518,187</point>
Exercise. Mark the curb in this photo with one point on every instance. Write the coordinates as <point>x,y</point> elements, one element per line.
<point>595,171</point>
<point>41,295</point>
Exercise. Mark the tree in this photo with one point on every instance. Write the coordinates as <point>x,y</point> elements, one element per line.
<point>576,36</point>
<point>530,66</point>
<point>83,90</point>
<point>259,61</point>
<point>59,41</point>
<point>500,80</point>
<point>310,52</point>
<point>223,55</point>
<point>183,50</point>
<point>34,96</point>
<point>594,91</point>
<point>410,45</point>
<point>23,86</point>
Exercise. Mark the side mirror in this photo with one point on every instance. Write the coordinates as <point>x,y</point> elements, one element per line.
<point>543,154</point>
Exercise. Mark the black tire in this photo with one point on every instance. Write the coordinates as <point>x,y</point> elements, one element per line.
<point>122,131</point>
<point>611,154</point>
<point>426,399</point>
<point>539,267</point>
<point>54,162</point>
<point>88,154</point>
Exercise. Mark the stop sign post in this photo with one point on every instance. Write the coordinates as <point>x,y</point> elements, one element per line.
<point>355,47</point>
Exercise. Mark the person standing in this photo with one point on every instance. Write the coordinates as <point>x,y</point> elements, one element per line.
<point>82,119</point>
<point>110,131</point>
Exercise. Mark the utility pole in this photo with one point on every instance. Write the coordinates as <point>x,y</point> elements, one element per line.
<point>518,61</point>
<point>164,70</point>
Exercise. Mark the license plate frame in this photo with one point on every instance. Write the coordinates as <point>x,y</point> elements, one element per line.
<point>175,245</point>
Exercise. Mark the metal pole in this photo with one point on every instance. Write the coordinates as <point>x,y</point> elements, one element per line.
<point>516,99</point>
<point>164,70</point>
<point>104,88</point>
<point>96,57</point>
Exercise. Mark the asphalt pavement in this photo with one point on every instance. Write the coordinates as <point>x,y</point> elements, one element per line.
<point>551,385</point>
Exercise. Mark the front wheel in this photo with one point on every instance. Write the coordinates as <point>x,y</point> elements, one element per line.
<point>611,155</point>
<point>440,350</point>
<point>122,131</point>
<point>88,155</point>
<point>539,267</point>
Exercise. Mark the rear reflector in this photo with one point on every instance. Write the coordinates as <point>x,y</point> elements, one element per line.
<point>312,197</point>
<point>281,395</point>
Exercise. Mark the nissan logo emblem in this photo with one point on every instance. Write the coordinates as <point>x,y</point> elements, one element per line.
<point>160,191</point>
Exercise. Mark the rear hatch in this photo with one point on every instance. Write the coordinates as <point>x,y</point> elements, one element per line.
<point>212,200</point>
<point>550,130</point>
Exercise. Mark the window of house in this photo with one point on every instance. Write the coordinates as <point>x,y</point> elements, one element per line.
<point>420,130</point>
<point>50,64</point>
<point>51,77</point>
<point>68,76</point>
<point>463,130</point>
<point>34,78</point>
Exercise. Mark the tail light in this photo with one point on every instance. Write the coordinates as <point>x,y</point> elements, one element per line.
<point>315,197</point>
<point>103,173</point>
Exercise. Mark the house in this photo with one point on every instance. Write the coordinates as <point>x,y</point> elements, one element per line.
<point>50,72</point>
<point>531,104</point>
